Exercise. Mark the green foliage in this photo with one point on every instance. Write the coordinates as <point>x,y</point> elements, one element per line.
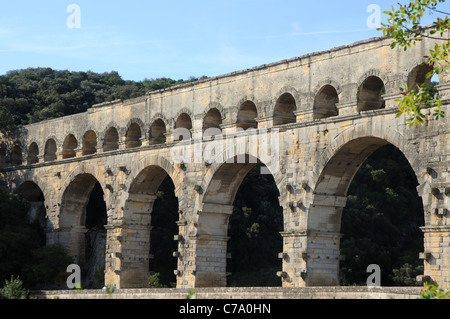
<point>154,281</point>
<point>110,289</point>
<point>37,94</point>
<point>100,276</point>
<point>17,238</point>
<point>191,294</point>
<point>416,100</point>
<point>21,247</point>
<point>404,26</point>
<point>47,267</point>
<point>406,274</point>
<point>432,291</point>
<point>13,289</point>
<point>381,221</point>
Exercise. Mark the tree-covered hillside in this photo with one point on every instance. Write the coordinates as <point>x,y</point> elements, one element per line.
<point>37,94</point>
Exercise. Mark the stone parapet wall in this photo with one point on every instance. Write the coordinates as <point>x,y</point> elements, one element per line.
<point>241,293</point>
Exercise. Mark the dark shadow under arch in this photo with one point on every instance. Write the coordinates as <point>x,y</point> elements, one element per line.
<point>33,153</point>
<point>381,221</point>
<point>133,136</point>
<point>82,220</point>
<point>247,115</point>
<point>370,94</point>
<point>325,102</point>
<point>212,119</point>
<point>35,197</point>
<point>284,110</point>
<point>69,146</point>
<point>50,150</point>
<point>218,209</point>
<point>111,140</point>
<point>254,230</point>
<point>151,204</point>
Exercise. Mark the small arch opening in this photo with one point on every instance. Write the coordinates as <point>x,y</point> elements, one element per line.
<point>157,132</point>
<point>69,146</point>
<point>370,94</point>
<point>50,150</point>
<point>133,136</point>
<point>418,76</point>
<point>247,115</point>
<point>183,122</point>
<point>16,155</point>
<point>89,143</point>
<point>213,119</point>
<point>2,156</point>
<point>325,102</point>
<point>284,110</point>
<point>111,141</point>
<point>33,152</point>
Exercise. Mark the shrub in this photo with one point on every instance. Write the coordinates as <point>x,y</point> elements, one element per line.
<point>14,289</point>
<point>47,268</point>
<point>431,291</point>
<point>154,281</point>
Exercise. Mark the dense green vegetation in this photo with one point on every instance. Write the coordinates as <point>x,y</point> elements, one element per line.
<point>36,94</point>
<point>380,223</point>
<point>22,253</point>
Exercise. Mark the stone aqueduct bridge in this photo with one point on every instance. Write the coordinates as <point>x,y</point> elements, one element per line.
<point>328,112</point>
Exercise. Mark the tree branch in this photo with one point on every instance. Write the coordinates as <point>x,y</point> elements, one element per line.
<point>438,11</point>
<point>422,34</point>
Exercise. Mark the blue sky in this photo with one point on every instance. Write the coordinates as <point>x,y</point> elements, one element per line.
<point>176,39</point>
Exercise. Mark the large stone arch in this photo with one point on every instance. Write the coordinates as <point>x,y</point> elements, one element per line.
<point>83,168</point>
<point>72,216</point>
<point>135,224</point>
<point>27,176</point>
<point>34,194</point>
<point>142,162</point>
<point>327,196</point>
<point>375,130</point>
<point>221,184</point>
